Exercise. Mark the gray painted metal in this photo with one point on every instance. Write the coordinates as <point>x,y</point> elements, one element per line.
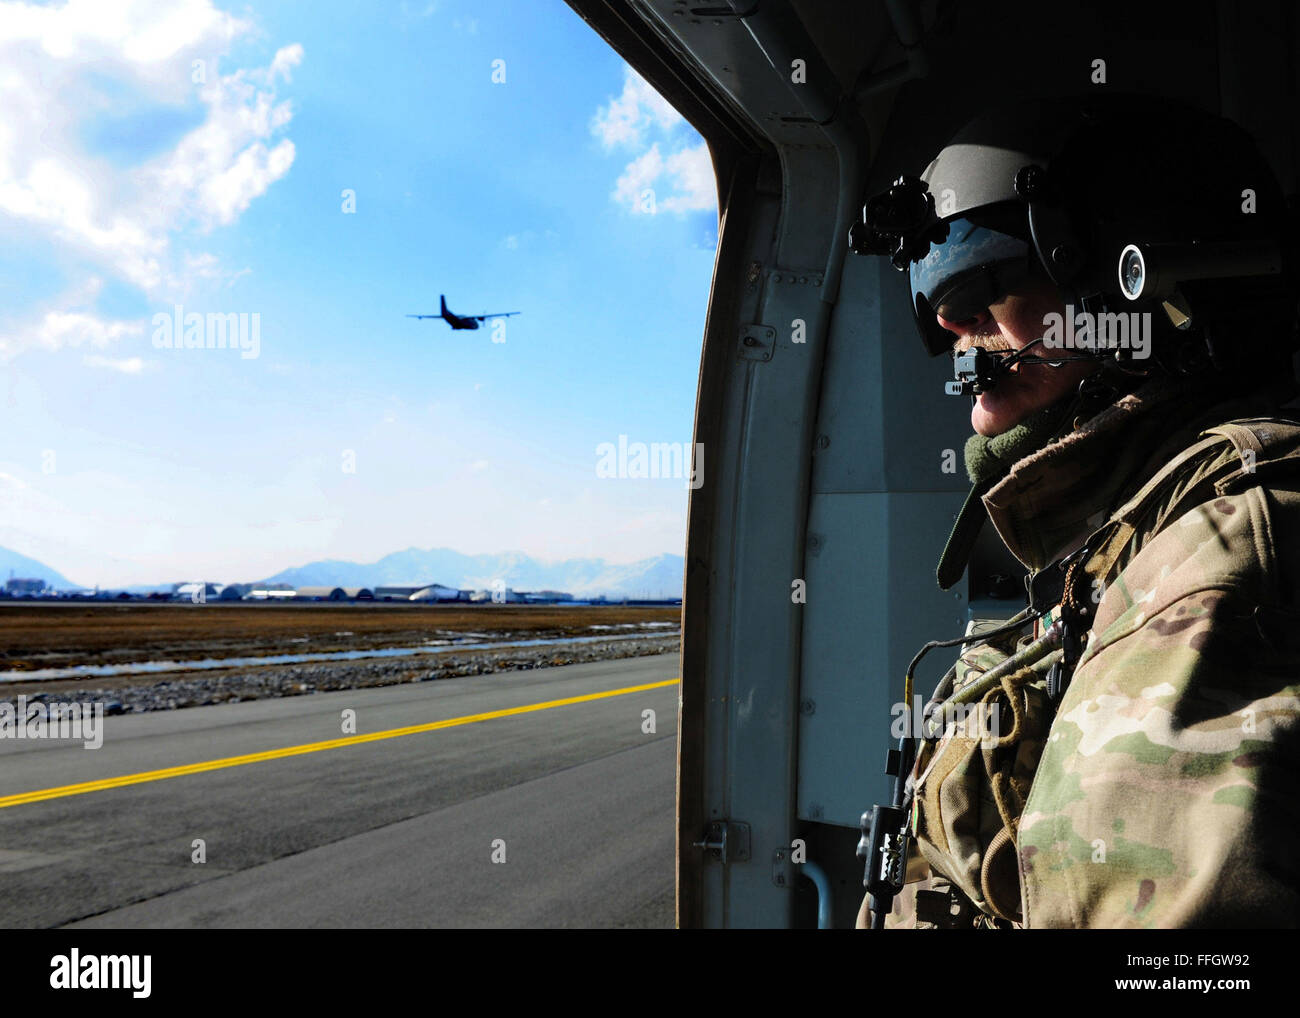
<point>887,482</point>
<point>762,454</point>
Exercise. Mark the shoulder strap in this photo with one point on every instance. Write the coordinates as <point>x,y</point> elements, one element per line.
<point>1266,448</point>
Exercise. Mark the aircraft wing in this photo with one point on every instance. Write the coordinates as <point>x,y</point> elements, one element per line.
<point>503,314</point>
<point>424,316</point>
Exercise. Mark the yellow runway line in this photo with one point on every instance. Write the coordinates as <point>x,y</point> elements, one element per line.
<point>311,747</point>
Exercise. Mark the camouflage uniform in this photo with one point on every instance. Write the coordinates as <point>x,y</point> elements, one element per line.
<point>1162,790</point>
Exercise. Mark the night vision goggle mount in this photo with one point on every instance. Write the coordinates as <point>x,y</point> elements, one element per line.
<point>898,223</point>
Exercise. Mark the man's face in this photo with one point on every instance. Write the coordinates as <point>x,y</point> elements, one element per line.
<point>1010,324</point>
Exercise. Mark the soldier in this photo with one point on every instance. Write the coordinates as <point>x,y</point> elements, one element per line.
<point>1113,282</point>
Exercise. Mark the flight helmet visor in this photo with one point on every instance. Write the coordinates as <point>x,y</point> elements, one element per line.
<point>970,266</point>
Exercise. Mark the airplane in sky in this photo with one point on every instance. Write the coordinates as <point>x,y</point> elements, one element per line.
<point>463,321</point>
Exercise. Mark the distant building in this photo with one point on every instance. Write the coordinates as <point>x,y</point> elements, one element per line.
<point>396,593</point>
<point>18,587</point>
<point>437,592</point>
<point>498,596</point>
<point>544,596</point>
<point>335,594</point>
<point>319,594</point>
<point>197,592</point>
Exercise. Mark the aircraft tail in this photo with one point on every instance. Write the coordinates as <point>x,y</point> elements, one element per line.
<point>444,305</point>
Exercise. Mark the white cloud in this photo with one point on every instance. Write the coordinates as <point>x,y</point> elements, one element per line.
<point>217,169</point>
<point>651,183</point>
<point>142,32</point>
<point>208,267</point>
<point>286,58</point>
<point>638,177</point>
<point>693,182</point>
<point>683,182</point>
<point>64,68</point>
<point>126,365</point>
<point>626,119</point>
<point>58,329</point>
<point>68,322</point>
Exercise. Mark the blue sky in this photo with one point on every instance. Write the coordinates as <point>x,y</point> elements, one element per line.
<point>155,154</point>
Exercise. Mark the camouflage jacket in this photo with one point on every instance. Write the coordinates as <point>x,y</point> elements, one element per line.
<point>1164,791</point>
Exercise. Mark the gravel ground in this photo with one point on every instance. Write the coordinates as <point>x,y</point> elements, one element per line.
<point>174,690</point>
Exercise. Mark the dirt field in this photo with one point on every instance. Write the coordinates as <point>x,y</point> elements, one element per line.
<point>63,635</point>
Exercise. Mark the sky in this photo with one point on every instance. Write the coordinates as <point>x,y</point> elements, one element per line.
<point>323,170</point>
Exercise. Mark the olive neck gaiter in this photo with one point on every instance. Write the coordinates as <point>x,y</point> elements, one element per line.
<point>988,460</point>
<point>991,456</point>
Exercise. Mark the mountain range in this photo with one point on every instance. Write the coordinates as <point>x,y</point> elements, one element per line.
<point>658,577</point>
<point>652,578</point>
<point>24,568</point>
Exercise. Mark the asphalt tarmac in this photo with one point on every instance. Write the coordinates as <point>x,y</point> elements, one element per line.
<point>554,817</point>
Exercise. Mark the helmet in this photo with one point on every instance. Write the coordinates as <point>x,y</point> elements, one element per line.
<point>1126,204</point>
